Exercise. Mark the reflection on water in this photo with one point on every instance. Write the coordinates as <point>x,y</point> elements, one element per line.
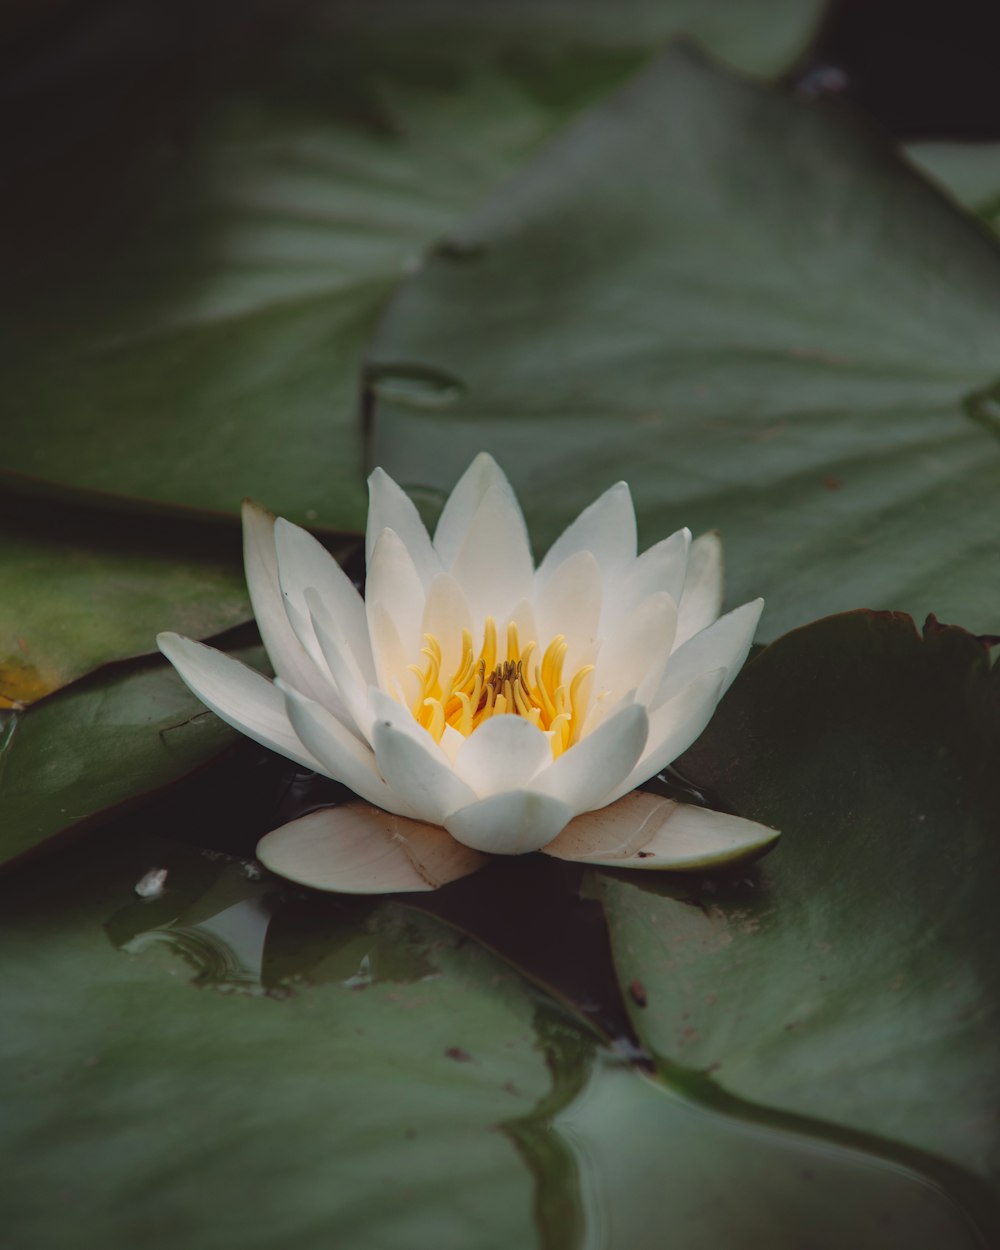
<point>621,1160</point>
<point>238,931</point>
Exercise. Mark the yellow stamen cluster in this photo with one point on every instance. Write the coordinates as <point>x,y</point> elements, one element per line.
<point>488,684</point>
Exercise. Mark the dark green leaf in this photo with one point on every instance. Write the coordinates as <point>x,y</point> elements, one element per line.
<point>759,36</point>
<point>752,312</point>
<point>214,341</point>
<point>341,1075</point>
<point>74,599</point>
<point>852,977</point>
<point>98,744</point>
<point>970,171</point>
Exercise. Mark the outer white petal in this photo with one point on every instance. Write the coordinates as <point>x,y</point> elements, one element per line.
<point>636,657</point>
<point>569,602</point>
<point>241,697</point>
<point>509,824</point>
<point>357,849</point>
<point>419,773</point>
<point>446,615</point>
<point>352,685</point>
<point>391,508</point>
<point>606,528</point>
<point>588,772</point>
<point>340,754</point>
<point>463,503</point>
<point>289,658</point>
<point>646,831</point>
<point>661,567</point>
<point>672,729</point>
<point>724,644</point>
<point>701,602</point>
<point>504,753</point>
<point>494,565</point>
<point>393,585</point>
<point>304,562</point>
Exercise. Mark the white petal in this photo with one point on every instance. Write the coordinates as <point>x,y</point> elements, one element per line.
<point>646,831</point>
<point>241,697</point>
<point>340,754</point>
<point>672,729</point>
<point>419,773</point>
<point>701,602</point>
<point>584,776</point>
<point>451,743</point>
<point>494,565</point>
<point>304,562</point>
<point>357,849</point>
<point>636,657</point>
<point>391,508</point>
<point>606,528</point>
<point>470,490</point>
<point>504,753</point>
<point>352,686</point>
<point>288,657</point>
<point>661,567</point>
<point>569,602</point>
<point>391,660</point>
<point>400,717</point>
<point>724,644</point>
<point>509,824</point>
<point>446,615</point>
<point>394,586</point>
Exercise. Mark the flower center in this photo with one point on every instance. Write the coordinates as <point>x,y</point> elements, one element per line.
<point>485,685</point>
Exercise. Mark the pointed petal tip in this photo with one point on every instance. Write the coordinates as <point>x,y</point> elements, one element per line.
<point>253,509</point>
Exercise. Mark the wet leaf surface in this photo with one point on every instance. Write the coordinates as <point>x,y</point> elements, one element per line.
<point>969,171</point>
<point>215,335</point>
<point>101,743</point>
<point>746,307</point>
<point>850,976</point>
<point>248,1066</point>
<point>77,594</point>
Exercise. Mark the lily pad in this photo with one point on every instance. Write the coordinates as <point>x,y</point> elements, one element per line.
<point>103,742</point>
<point>851,976</point>
<point>211,324</point>
<point>74,599</point>
<point>215,339</point>
<point>758,36</point>
<point>747,307</point>
<point>250,1069</point>
<point>970,171</point>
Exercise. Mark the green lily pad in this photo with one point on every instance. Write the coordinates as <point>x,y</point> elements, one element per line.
<point>74,599</point>
<point>215,340</point>
<point>212,325</point>
<point>101,743</point>
<point>749,309</point>
<point>759,36</point>
<point>851,976</point>
<point>969,171</point>
<point>246,1068</point>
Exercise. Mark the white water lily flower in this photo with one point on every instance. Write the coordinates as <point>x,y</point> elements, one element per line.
<point>480,704</point>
